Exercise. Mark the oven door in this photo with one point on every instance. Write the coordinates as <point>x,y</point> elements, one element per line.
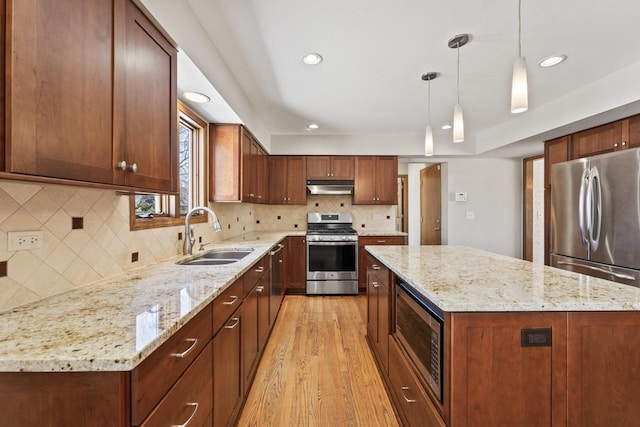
<point>332,260</point>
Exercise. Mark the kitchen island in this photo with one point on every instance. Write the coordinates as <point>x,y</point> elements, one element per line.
<point>522,344</point>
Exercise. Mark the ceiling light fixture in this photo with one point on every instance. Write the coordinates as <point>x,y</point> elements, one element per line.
<point>519,90</point>
<point>312,126</point>
<point>428,137</point>
<point>552,60</point>
<point>312,58</point>
<point>456,42</point>
<point>197,97</point>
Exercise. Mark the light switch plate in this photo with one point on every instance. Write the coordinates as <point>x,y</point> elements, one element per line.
<point>23,240</point>
<point>471,215</point>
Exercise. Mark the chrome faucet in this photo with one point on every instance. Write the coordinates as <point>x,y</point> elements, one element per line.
<point>189,238</point>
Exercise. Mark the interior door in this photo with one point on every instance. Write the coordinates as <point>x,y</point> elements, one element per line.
<point>430,205</point>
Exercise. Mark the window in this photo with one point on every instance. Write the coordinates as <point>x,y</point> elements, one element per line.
<point>156,210</point>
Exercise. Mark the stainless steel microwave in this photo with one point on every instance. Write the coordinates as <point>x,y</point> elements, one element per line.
<point>419,328</point>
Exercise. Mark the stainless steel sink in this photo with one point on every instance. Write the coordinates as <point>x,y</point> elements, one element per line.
<point>218,257</point>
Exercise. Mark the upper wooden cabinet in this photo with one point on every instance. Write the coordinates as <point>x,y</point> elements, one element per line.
<point>330,167</point>
<point>376,180</point>
<point>598,140</point>
<point>287,184</point>
<point>239,165</point>
<point>91,95</point>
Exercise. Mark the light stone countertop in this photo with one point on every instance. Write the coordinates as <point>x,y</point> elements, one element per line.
<point>461,279</point>
<point>381,233</point>
<point>113,324</point>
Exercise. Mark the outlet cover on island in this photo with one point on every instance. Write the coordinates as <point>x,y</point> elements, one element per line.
<point>23,240</point>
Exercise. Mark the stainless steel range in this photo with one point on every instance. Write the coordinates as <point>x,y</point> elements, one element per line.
<point>332,254</point>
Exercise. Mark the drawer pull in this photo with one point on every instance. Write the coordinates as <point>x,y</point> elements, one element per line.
<point>236,321</point>
<point>382,241</point>
<point>375,267</point>
<point>186,423</point>
<point>187,351</point>
<point>375,284</point>
<point>233,300</point>
<point>402,390</point>
<point>259,269</point>
<point>259,289</point>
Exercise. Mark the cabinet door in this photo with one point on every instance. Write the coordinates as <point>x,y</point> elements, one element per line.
<point>225,158</point>
<point>278,180</point>
<point>372,306</point>
<point>264,318</point>
<point>296,183</point>
<point>634,131</point>
<point>555,151</point>
<point>387,180</point>
<point>263,176</point>
<point>227,386</point>
<point>384,299</point>
<point>249,337</point>
<point>364,190</point>
<point>149,114</point>
<point>603,369</point>
<point>497,381</point>
<point>342,167</point>
<point>60,94</point>
<point>295,264</point>
<point>318,167</point>
<point>602,139</point>
<point>246,166</point>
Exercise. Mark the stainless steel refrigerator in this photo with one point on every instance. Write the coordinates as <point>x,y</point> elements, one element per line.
<point>595,216</point>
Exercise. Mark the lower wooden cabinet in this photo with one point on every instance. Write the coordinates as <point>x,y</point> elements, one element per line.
<point>378,303</point>
<point>294,275</point>
<point>362,253</point>
<point>189,402</point>
<point>227,371</point>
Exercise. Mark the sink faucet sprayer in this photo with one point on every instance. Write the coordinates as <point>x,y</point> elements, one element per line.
<point>189,239</point>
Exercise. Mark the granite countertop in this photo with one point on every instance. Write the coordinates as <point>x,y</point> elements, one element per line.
<point>114,324</point>
<point>381,233</point>
<point>461,279</point>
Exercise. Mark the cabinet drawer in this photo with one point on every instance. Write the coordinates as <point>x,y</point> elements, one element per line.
<point>381,240</point>
<point>226,303</point>
<point>254,274</point>
<point>190,401</point>
<point>414,402</point>
<point>154,377</point>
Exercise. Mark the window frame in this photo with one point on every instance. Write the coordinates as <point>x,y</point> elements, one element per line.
<point>198,182</point>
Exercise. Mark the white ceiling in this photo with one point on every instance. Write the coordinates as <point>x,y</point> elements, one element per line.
<point>375,52</point>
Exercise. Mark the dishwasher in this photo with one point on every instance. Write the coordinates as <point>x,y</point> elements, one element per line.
<point>277,291</point>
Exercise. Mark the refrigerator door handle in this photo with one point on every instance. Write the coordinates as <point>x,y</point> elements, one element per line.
<point>595,208</point>
<point>601,270</point>
<point>583,207</point>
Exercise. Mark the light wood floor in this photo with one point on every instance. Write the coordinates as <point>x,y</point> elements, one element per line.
<point>317,369</point>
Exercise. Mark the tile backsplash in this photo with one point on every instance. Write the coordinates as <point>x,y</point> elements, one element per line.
<point>105,246</point>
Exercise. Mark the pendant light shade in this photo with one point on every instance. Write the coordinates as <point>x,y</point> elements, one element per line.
<point>519,89</point>
<point>456,42</point>
<point>458,124</point>
<point>428,135</point>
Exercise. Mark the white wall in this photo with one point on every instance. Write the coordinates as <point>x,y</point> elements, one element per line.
<point>494,190</point>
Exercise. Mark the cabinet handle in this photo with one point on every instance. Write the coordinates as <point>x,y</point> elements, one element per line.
<point>615,145</point>
<point>382,241</point>
<point>259,269</point>
<point>121,165</point>
<point>233,300</point>
<point>331,174</point>
<point>402,390</point>
<point>250,194</point>
<point>133,168</point>
<point>236,320</point>
<point>375,267</point>
<point>260,289</point>
<point>328,174</point>
<point>187,351</point>
<point>624,143</point>
<point>186,423</point>
<point>375,284</point>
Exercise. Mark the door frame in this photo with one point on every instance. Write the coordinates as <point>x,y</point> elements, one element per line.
<point>405,202</point>
<point>527,206</point>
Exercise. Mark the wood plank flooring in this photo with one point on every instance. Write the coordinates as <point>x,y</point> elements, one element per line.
<point>317,369</point>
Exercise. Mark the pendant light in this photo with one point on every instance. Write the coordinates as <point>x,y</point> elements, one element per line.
<point>456,42</point>
<point>428,137</point>
<point>519,90</point>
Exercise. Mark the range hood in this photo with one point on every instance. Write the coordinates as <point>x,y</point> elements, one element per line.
<point>326,186</point>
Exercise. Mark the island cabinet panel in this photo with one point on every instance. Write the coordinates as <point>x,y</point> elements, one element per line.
<point>362,253</point>
<point>378,302</point>
<point>295,264</point>
<point>83,399</point>
<point>91,95</point>
<point>495,380</point>
<point>604,368</point>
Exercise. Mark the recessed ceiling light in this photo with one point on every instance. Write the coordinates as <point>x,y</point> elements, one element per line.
<point>197,97</point>
<point>446,127</point>
<point>312,58</point>
<point>312,126</point>
<point>552,60</point>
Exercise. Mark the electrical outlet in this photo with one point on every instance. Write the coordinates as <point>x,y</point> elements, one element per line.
<point>377,216</point>
<point>23,240</point>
